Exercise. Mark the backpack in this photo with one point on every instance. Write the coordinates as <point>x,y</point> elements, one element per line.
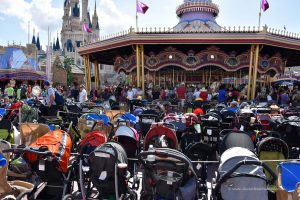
<point>59,99</point>
<point>23,93</point>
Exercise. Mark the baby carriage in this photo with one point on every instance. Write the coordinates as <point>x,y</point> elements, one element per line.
<point>129,139</point>
<point>11,189</point>
<point>240,176</point>
<point>210,128</point>
<point>167,174</point>
<point>289,129</point>
<point>160,136</point>
<point>271,148</point>
<point>146,118</point>
<point>233,138</point>
<point>288,181</point>
<point>108,173</point>
<point>198,151</point>
<point>227,118</point>
<point>48,157</point>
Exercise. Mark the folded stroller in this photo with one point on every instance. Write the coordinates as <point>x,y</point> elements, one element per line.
<point>240,176</point>
<point>210,128</point>
<point>108,173</point>
<point>160,136</point>
<point>167,174</point>
<point>288,181</point>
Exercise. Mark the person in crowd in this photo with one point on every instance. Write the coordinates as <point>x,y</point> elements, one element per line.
<point>196,93</point>
<point>82,94</point>
<point>130,96</point>
<point>74,91</point>
<point>181,94</point>
<point>156,93</point>
<point>284,98</point>
<point>19,93</point>
<point>269,98</point>
<point>139,92</point>
<point>203,94</point>
<point>222,94</point>
<point>23,92</point>
<point>29,91</point>
<point>190,95</point>
<point>162,95</point>
<point>209,94</point>
<point>50,99</point>
<point>9,91</point>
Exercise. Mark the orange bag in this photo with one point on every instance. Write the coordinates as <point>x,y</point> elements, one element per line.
<point>59,143</point>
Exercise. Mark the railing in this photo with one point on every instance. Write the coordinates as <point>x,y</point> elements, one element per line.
<point>230,29</point>
<point>198,4</point>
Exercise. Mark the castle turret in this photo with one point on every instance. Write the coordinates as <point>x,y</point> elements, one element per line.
<point>95,22</point>
<point>57,45</point>
<point>38,45</point>
<point>197,15</point>
<point>33,41</point>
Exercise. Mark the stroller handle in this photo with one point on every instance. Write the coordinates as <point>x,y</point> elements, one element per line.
<point>161,153</point>
<point>239,164</point>
<point>39,151</point>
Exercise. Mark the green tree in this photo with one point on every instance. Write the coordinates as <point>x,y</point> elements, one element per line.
<point>68,62</point>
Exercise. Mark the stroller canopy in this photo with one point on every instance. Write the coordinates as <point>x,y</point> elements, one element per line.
<point>96,117</point>
<point>156,132</point>
<point>236,139</point>
<point>129,117</point>
<point>2,112</point>
<point>128,132</point>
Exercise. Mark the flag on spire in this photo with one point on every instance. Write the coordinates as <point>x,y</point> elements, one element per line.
<point>86,28</point>
<point>264,5</point>
<point>141,7</point>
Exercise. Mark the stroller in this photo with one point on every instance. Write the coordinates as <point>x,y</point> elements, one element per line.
<point>240,176</point>
<point>48,158</point>
<point>271,148</point>
<point>227,118</point>
<point>146,118</point>
<point>29,132</point>
<point>108,173</point>
<point>129,139</point>
<point>232,138</point>
<point>12,189</point>
<point>288,181</point>
<point>160,136</point>
<point>167,174</point>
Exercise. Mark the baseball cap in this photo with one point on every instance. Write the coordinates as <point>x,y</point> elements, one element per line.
<point>46,83</point>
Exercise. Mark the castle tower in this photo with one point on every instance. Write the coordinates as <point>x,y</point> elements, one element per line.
<point>33,41</point>
<point>66,15</point>
<point>197,15</point>
<point>84,11</point>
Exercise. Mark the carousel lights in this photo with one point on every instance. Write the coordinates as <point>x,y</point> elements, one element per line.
<point>212,56</point>
<point>170,57</point>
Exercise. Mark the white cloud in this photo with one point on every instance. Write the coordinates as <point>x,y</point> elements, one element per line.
<point>40,13</point>
<point>111,19</point>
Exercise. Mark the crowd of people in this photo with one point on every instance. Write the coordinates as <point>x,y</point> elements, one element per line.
<point>181,93</point>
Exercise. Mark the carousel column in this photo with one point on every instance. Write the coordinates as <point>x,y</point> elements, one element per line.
<point>137,66</point>
<point>250,73</point>
<point>143,66</point>
<point>97,75</point>
<point>255,72</point>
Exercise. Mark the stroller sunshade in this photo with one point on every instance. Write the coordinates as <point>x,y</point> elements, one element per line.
<point>158,131</point>
<point>129,117</point>
<point>233,156</point>
<point>236,139</point>
<point>97,117</point>
<point>290,176</point>
<point>128,132</point>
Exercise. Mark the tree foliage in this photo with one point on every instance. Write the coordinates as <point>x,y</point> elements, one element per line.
<point>68,62</point>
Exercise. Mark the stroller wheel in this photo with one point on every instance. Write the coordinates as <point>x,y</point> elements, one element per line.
<point>68,197</point>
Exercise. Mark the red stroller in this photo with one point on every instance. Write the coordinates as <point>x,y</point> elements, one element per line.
<point>161,136</point>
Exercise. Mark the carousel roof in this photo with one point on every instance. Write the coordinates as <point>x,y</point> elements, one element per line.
<point>228,39</point>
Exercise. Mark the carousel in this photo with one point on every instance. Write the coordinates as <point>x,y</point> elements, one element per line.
<point>20,64</point>
<point>197,50</point>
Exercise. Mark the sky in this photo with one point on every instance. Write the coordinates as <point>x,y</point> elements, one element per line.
<point>119,15</point>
